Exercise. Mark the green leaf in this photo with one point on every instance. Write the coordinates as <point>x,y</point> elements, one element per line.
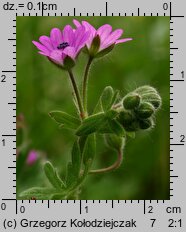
<point>115,97</point>
<point>106,98</point>
<point>76,159</point>
<point>98,107</point>
<point>115,142</point>
<point>105,51</point>
<point>58,196</point>
<point>89,149</point>
<point>65,119</point>
<point>71,178</point>
<point>116,127</point>
<point>52,176</point>
<point>38,193</point>
<point>91,124</point>
<point>111,114</point>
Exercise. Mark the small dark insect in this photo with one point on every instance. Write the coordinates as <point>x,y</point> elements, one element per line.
<point>63,45</point>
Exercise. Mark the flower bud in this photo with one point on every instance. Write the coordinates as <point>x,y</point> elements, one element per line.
<point>145,110</point>
<point>131,101</point>
<point>133,126</point>
<point>149,94</point>
<point>146,124</point>
<point>125,117</point>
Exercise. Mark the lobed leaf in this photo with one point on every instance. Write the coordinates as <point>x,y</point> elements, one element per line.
<point>106,98</point>
<point>91,124</point>
<point>38,193</point>
<point>53,176</point>
<point>65,119</point>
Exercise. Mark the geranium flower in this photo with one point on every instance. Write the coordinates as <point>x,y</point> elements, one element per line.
<point>102,40</point>
<point>32,157</point>
<point>63,46</point>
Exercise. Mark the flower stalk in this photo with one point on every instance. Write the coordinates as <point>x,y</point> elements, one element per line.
<point>77,94</point>
<point>85,84</point>
<point>114,166</point>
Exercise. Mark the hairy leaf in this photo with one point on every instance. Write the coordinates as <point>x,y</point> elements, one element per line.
<point>38,193</point>
<point>67,120</point>
<point>106,98</point>
<point>76,159</point>
<point>89,149</point>
<point>91,124</point>
<point>53,176</point>
<point>116,127</point>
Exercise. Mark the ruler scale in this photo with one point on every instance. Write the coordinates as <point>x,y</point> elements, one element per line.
<point>103,215</point>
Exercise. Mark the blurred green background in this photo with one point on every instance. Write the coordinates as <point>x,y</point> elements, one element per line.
<point>41,87</point>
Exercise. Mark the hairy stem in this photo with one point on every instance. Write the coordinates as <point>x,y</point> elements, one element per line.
<point>85,83</point>
<point>77,94</point>
<point>112,167</point>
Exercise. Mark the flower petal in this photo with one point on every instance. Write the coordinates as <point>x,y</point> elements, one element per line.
<point>70,51</point>
<point>104,31</point>
<point>123,40</point>
<point>43,53</point>
<point>41,47</point>
<point>55,37</point>
<point>45,40</point>
<point>57,56</point>
<point>76,23</point>
<point>112,38</point>
<point>88,27</point>
<point>92,31</point>
<point>80,37</point>
<point>68,35</point>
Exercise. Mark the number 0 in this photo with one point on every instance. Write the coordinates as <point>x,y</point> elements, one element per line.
<point>165,6</point>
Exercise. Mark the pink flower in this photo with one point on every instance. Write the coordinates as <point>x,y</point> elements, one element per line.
<point>62,44</point>
<point>105,34</point>
<point>32,157</point>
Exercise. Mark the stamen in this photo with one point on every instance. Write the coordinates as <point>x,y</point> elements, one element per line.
<point>63,45</point>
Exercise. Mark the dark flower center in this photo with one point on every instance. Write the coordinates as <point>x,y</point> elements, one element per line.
<point>63,45</point>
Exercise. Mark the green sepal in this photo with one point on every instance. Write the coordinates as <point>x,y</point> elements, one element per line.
<point>38,193</point>
<point>65,120</point>
<point>116,127</point>
<point>94,46</point>
<point>91,124</point>
<point>115,142</point>
<point>89,150</point>
<point>68,63</point>
<point>76,159</point>
<point>106,98</point>
<point>105,51</point>
<point>53,176</point>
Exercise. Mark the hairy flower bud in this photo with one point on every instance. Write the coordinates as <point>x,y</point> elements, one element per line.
<point>146,124</point>
<point>126,117</point>
<point>145,110</point>
<point>131,101</point>
<point>149,94</point>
